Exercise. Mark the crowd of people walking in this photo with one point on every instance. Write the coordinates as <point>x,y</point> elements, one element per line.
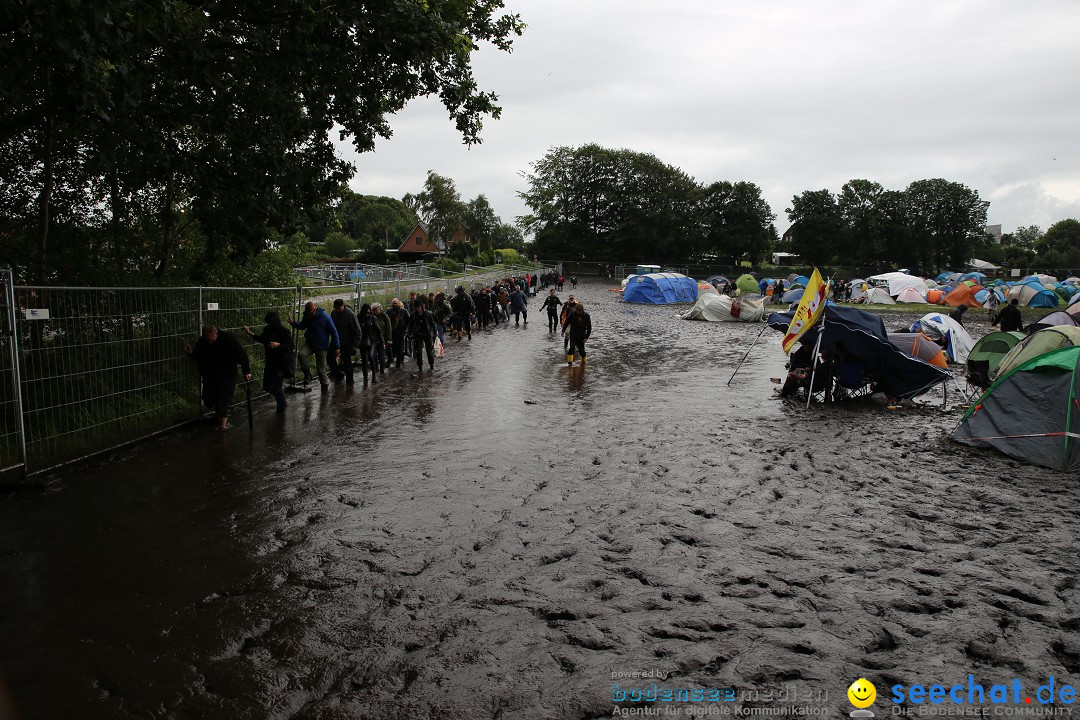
<point>376,339</point>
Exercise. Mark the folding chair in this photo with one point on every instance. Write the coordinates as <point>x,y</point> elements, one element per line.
<point>851,382</point>
<point>978,374</point>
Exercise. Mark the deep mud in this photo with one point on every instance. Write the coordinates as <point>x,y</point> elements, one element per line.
<point>496,539</point>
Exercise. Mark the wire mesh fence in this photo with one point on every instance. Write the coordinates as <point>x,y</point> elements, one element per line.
<point>83,369</point>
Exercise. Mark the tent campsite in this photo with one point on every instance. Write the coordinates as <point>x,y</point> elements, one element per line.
<point>1031,412</point>
<point>714,307</point>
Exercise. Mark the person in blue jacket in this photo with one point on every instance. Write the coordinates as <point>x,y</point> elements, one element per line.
<point>518,305</point>
<point>320,335</point>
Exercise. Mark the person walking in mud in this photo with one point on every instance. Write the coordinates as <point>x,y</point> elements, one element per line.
<point>567,311</point>
<point>319,334</point>
<point>382,349</point>
<point>552,303</point>
<point>573,282</point>
<point>422,334</point>
<point>519,305</point>
<point>370,338</point>
<point>463,308</point>
<point>279,362</point>
<point>578,329</point>
<point>348,329</point>
<point>399,320</point>
<point>217,355</point>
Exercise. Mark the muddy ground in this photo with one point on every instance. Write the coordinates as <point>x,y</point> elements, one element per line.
<point>502,537</point>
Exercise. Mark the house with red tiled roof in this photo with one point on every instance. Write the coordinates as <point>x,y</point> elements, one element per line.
<point>418,245</point>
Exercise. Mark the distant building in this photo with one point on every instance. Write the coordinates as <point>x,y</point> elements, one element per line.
<point>995,232</point>
<point>418,245</point>
<point>783,258</point>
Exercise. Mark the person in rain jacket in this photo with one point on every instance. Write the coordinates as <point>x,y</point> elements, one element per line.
<point>577,329</point>
<point>320,335</point>
<point>519,305</point>
<point>279,364</point>
<point>349,334</point>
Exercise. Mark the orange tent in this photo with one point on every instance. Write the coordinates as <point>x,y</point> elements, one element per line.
<point>917,345</point>
<point>934,297</point>
<point>963,295</point>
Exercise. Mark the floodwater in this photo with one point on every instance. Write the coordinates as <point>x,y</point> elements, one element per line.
<point>507,538</point>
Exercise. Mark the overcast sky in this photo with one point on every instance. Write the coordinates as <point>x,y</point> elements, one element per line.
<point>792,95</point>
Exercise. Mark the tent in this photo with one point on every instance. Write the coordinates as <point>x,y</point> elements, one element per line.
<point>910,295</point>
<point>863,335</point>
<point>958,342</point>
<point>919,346</point>
<point>714,307</point>
<point>799,282</point>
<point>981,296</point>
<point>794,295</point>
<point>978,277</point>
<point>986,356</point>
<point>897,281</point>
<point>717,280</point>
<point>705,287</point>
<point>963,294</point>
<point>1056,318</point>
<point>1037,343</point>
<point>879,296</point>
<point>660,289</point>
<point>982,265</point>
<point>1032,294</point>
<point>1030,412</point>
<point>747,284</point>
<point>935,297</point>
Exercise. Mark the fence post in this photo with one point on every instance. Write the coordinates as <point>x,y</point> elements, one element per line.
<point>16,374</point>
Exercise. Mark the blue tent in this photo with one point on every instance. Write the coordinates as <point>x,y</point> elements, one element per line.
<point>660,289</point>
<point>357,275</point>
<point>976,276</point>
<point>800,282</point>
<point>863,335</point>
<point>794,296</point>
<point>981,295</point>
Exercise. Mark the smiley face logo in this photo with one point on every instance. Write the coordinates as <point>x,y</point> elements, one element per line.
<point>862,693</point>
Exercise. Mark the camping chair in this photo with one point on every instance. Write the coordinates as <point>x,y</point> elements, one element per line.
<point>851,381</point>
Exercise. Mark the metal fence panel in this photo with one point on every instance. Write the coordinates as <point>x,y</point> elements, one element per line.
<point>12,445</point>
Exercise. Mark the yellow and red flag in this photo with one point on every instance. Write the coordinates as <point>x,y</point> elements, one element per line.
<point>809,311</point>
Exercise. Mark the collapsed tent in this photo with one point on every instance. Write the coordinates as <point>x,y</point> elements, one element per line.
<point>986,356</point>
<point>660,289</point>
<point>958,342</point>
<point>963,294</point>
<point>1036,344</point>
<point>1030,413</point>
<point>747,284</point>
<point>713,307</point>
<point>863,336</point>
<point>919,346</point>
<point>910,295</point>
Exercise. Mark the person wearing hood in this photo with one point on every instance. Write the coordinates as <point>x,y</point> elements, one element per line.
<point>320,335</point>
<point>279,363</point>
<point>422,333</point>
<point>370,337</point>
<point>577,329</point>
<point>349,333</point>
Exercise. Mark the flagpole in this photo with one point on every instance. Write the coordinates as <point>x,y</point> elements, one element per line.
<point>813,371</point>
<point>748,353</point>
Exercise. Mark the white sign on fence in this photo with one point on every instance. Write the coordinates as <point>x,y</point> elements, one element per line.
<point>36,313</point>
<point>211,306</point>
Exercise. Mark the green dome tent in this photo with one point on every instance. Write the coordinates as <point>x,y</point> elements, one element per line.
<point>1037,343</point>
<point>986,355</point>
<point>748,284</point>
<point>1031,412</point>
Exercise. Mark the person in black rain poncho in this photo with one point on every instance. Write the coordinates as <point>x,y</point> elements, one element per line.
<point>217,354</point>
<point>280,362</point>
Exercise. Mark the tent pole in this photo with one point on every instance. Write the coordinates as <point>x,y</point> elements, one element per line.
<point>813,371</point>
<point>747,353</point>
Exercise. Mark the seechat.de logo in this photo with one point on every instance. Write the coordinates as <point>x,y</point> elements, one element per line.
<point>862,695</point>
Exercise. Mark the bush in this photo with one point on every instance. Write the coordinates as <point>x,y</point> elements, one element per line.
<point>338,244</point>
<point>509,256</point>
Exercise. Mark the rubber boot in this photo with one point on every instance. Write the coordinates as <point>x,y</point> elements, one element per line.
<point>569,359</point>
<point>583,359</point>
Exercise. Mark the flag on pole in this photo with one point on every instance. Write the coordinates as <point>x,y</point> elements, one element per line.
<point>809,310</point>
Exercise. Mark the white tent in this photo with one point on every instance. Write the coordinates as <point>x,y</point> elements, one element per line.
<point>910,295</point>
<point>958,342</point>
<point>898,281</point>
<point>982,265</point>
<point>879,296</point>
<point>721,308</point>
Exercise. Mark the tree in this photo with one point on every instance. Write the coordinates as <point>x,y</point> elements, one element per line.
<point>439,205</point>
<point>737,221</point>
<point>481,222</point>
<point>864,235</point>
<point>158,113</point>
<point>373,219</point>
<point>611,204</point>
<point>947,219</point>
<point>1059,247</point>
<point>816,226</point>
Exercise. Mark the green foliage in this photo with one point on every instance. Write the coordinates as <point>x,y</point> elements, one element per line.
<point>123,121</point>
<point>446,267</point>
<point>509,256</point>
<point>1059,247</point>
<point>372,219</point>
<point>338,244</point>
<point>439,205</point>
<point>817,226</point>
<point>737,221</point>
